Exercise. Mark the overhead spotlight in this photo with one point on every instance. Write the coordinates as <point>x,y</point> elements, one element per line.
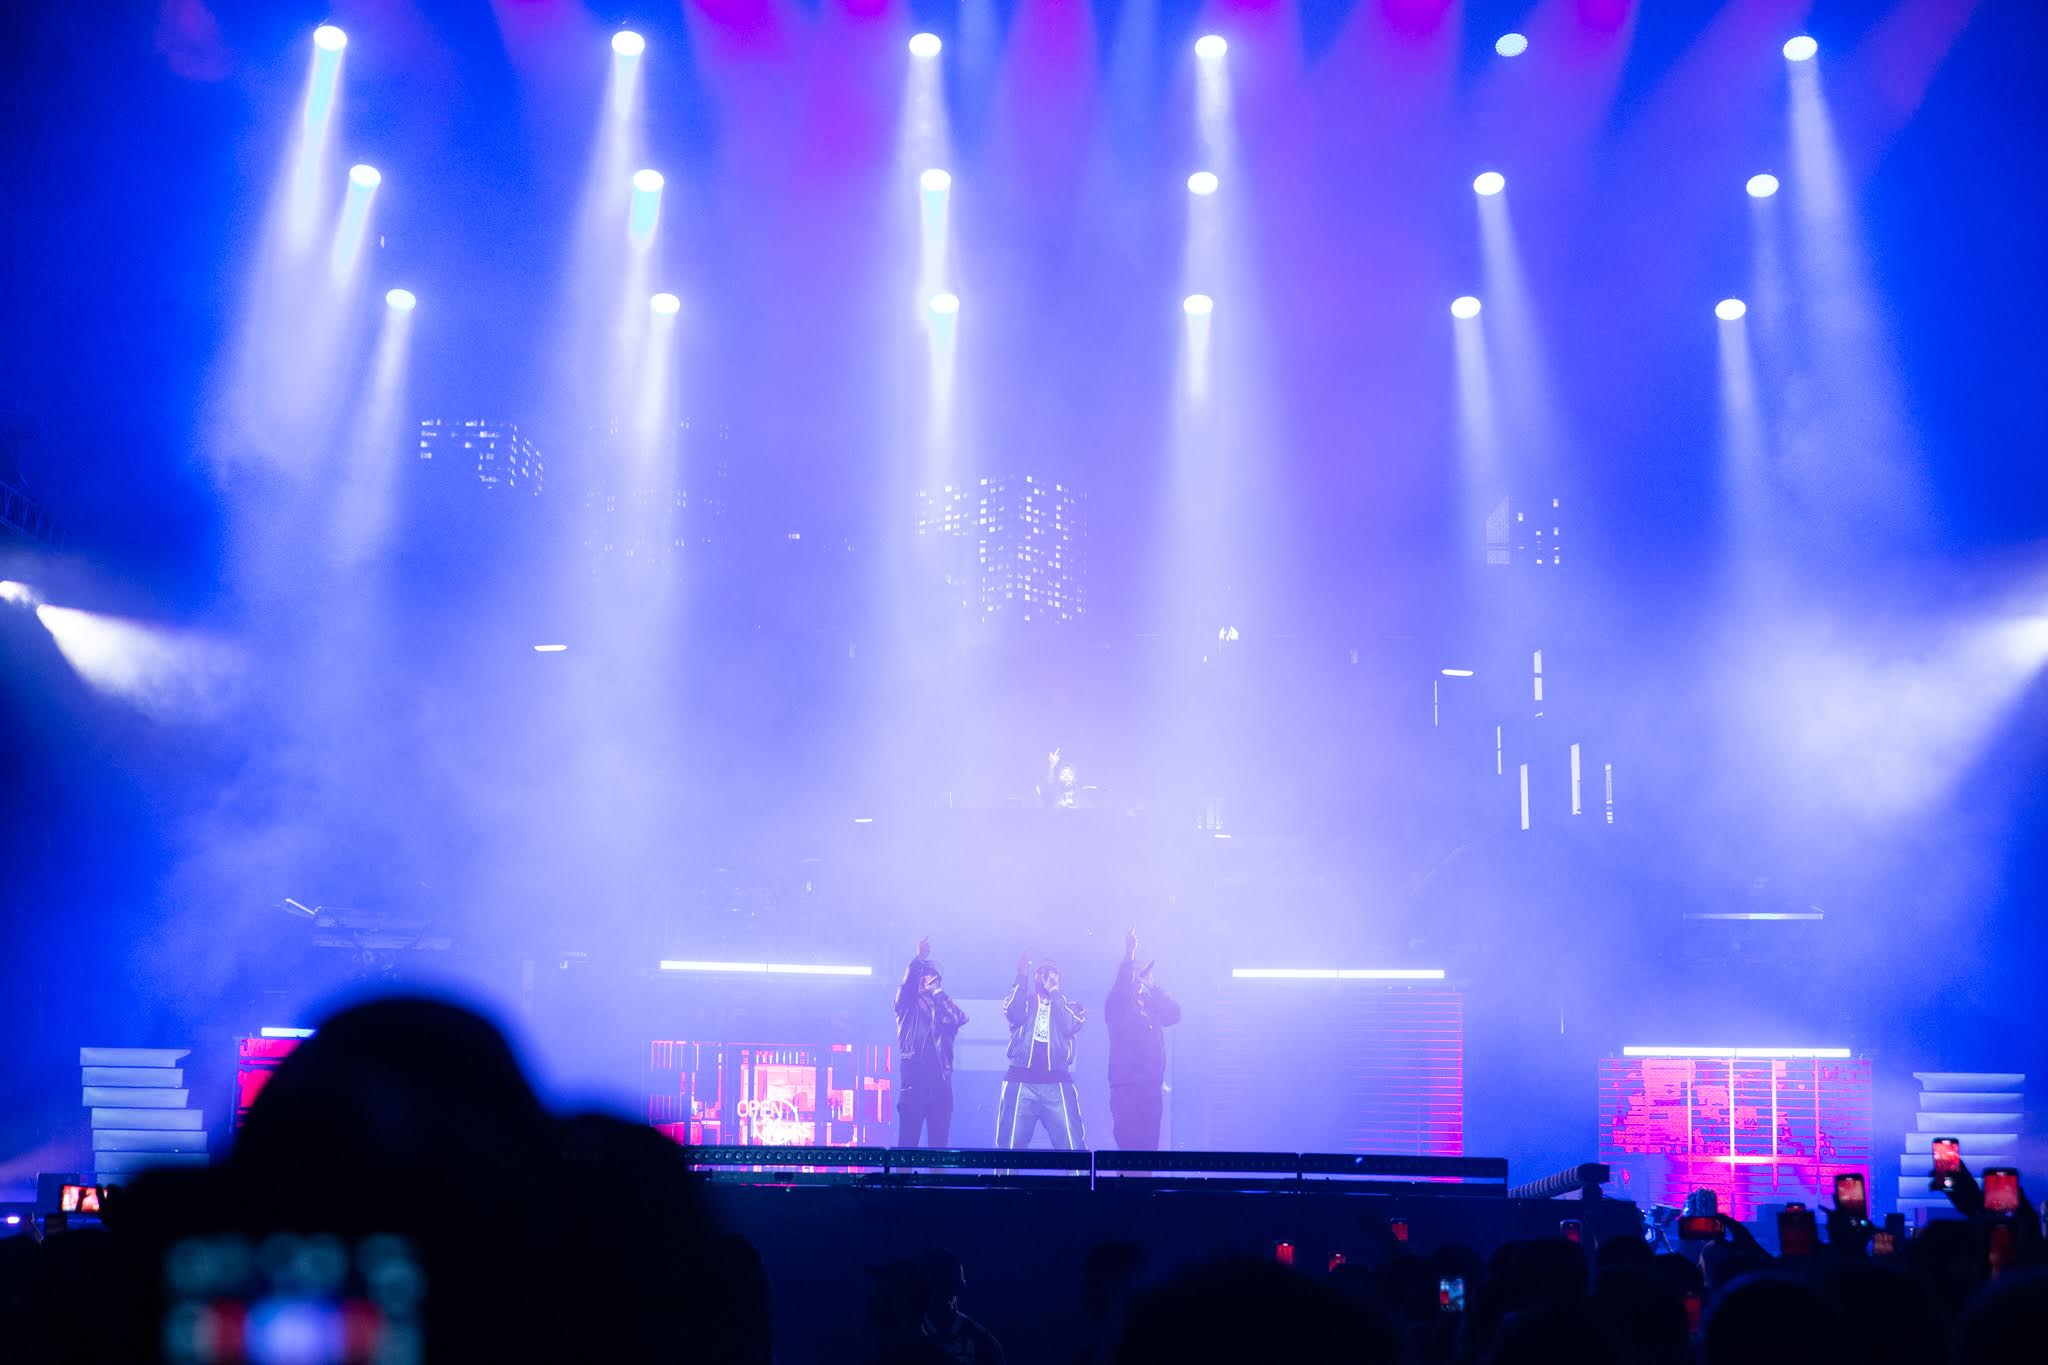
<point>1198,305</point>
<point>328,38</point>
<point>366,176</point>
<point>935,180</point>
<point>1730,310</point>
<point>665,305</point>
<point>1800,49</point>
<point>1210,47</point>
<point>925,44</point>
<point>1489,183</point>
<point>400,300</point>
<point>1762,186</point>
<point>945,305</point>
<point>1465,306</point>
<point>17,594</point>
<point>648,182</point>
<point>628,43</point>
<point>1202,182</point>
<point>1511,44</point>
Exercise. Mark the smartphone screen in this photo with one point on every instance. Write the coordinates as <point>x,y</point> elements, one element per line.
<point>1948,1159</point>
<point>1850,1198</point>
<point>1795,1232</point>
<point>1283,1252</point>
<point>1399,1227</point>
<point>2001,1189</point>
<point>1450,1294</point>
<point>1700,1227</point>
<point>1573,1230</point>
<point>1883,1243</point>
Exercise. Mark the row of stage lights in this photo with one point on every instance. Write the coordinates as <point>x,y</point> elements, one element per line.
<point>1210,47</point>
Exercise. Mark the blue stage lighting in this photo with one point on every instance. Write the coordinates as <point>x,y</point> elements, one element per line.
<point>328,38</point>
<point>1511,45</point>
<point>400,300</point>
<point>365,176</point>
<point>1202,182</point>
<point>1198,305</point>
<point>1800,49</point>
<point>1211,47</point>
<point>628,43</point>
<point>945,305</point>
<point>1730,310</point>
<point>1489,183</point>
<point>1465,306</point>
<point>648,182</point>
<point>665,305</point>
<point>935,180</point>
<point>925,44</point>
<point>1762,186</point>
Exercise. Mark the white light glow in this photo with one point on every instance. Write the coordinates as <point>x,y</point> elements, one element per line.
<point>1457,672</point>
<point>665,305</point>
<point>1756,916</point>
<point>1511,44</point>
<point>1465,307</point>
<point>17,594</point>
<point>549,649</point>
<point>1730,310</point>
<point>1736,1052</point>
<point>945,305</point>
<point>935,180</point>
<point>1202,182</point>
<point>648,182</point>
<point>328,38</point>
<point>1198,305</point>
<point>1800,49</point>
<point>400,300</point>
<point>366,176</point>
<point>1210,47</point>
<point>780,968</point>
<point>1337,973</point>
<point>1762,186</point>
<point>1489,182</point>
<point>628,43</point>
<point>275,1032</point>
<point>925,45</point>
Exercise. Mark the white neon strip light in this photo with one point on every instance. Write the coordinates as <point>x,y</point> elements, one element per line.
<point>1338,973</point>
<point>287,1033</point>
<point>785,968</point>
<point>1763,915</point>
<point>1736,1052</point>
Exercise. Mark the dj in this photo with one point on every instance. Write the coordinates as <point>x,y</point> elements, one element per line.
<point>927,1021</point>
<point>1039,1086</point>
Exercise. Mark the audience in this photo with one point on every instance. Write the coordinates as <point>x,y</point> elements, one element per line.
<point>405,1128</point>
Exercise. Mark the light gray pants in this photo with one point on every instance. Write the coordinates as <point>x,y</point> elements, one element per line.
<point>1026,1104</point>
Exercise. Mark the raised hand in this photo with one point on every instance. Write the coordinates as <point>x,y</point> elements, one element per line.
<point>1024,964</point>
<point>924,946</point>
<point>1130,944</point>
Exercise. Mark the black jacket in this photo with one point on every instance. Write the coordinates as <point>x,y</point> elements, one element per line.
<point>925,1029</point>
<point>1137,1026</point>
<point>1020,1008</point>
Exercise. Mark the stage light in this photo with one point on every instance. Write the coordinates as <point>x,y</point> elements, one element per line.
<point>368,177</point>
<point>1800,49</point>
<point>1762,186</point>
<point>400,300</point>
<point>16,594</point>
<point>1489,183</point>
<point>1511,44</point>
<point>1198,305</point>
<point>935,180</point>
<point>1337,973</point>
<point>1211,47</point>
<point>648,182</point>
<point>1465,306</point>
<point>328,38</point>
<point>665,305</point>
<point>549,649</point>
<point>945,305</point>
<point>1730,310</point>
<point>925,44</point>
<point>1457,672</point>
<point>783,968</point>
<point>628,43</point>
<point>1202,182</point>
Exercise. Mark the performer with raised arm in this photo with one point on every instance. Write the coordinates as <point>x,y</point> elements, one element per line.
<point>927,1021</point>
<point>1137,1016</point>
<point>1039,1086</point>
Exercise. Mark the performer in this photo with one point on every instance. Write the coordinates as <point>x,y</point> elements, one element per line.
<point>1039,1086</point>
<point>1137,1015</point>
<point>927,1021</point>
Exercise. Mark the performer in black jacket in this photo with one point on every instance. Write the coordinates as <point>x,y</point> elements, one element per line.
<point>1138,1015</point>
<point>927,1021</point>
<point>1039,1086</point>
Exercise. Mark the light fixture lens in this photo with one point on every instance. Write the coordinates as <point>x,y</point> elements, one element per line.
<point>1489,183</point>
<point>400,300</point>
<point>945,305</point>
<point>665,305</point>
<point>935,180</point>
<point>1465,306</point>
<point>1202,182</point>
<point>366,176</point>
<point>1198,305</point>
<point>1730,310</point>
<point>628,43</point>
<point>1762,186</point>
<point>328,38</point>
<point>648,182</point>
<point>925,44</point>
<point>1511,44</point>
<point>1800,49</point>
<point>1211,47</point>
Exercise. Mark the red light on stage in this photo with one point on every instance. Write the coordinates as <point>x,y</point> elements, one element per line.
<point>1283,1252</point>
<point>1336,1259</point>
